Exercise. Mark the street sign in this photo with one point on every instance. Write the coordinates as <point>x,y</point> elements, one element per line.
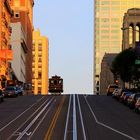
<point>137,62</point>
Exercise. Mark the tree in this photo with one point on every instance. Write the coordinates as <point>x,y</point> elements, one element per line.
<point>124,65</point>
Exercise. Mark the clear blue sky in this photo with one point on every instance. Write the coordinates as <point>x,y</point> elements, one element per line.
<point>69,26</point>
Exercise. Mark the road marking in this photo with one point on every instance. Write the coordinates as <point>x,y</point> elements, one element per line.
<point>74,120</point>
<point>106,126</point>
<point>27,119</point>
<point>28,134</point>
<point>81,118</point>
<point>53,123</point>
<point>33,121</point>
<point>20,115</point>
<point>17,134</point>
<point>67,120</point>
<point>40,123</point>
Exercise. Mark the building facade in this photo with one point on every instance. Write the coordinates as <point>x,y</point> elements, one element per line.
<point>5,32</point>
<point>23,12</point>
<point>19,47</point>
<point>106,76</point>
<point>108,34</point>
<point>131,28</point>
<point>40,65</point>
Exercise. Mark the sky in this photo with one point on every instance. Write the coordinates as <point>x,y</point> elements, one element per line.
<point>68,24</point>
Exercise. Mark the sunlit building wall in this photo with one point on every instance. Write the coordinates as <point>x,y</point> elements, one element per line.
<point>108,34</point>
<point>40,65</point>
<point>23,12</point>
<point>23,5</point>
<point>19,47</point>
<point>5,33</point>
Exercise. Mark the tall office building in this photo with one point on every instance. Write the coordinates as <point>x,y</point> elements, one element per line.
<point>40,65</point>
<point>108,34</point>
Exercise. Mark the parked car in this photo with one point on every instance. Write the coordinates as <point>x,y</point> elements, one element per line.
<point>125,95</point>
<point>19,90</point>
<point>115,93</point>
<point>132,100</point>
<point>137,105</point>
<point>118,92</point>
<point>10,91</point>
<point>111,88</point>
<point>1,96</point>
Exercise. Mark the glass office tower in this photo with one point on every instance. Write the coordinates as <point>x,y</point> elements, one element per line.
<point>107,30</point>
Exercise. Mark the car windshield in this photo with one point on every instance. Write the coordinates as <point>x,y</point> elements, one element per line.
<point>113,86</point>
<point>10,88</point>
<point>128,94</point>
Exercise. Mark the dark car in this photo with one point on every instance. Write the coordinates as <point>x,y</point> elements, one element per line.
<point>132,100</point>
<point>119,92</point>
<point>19,90</point>
<point>125,95</point>
<point>137,105</point>
<point>111,88</point>
<point>1,96</point>
<point>10,91</point>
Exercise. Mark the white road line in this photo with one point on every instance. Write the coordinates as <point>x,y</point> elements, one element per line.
<point>74,120</point>
<point>27,119</point>
<point>33,121</point>
<point>39,123</point>
<point>67,120</point>
<point>20,115</point>
<point>106,126</point>
<point>81,118</point>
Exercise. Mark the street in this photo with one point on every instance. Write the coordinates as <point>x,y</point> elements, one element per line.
<point>67,117</point>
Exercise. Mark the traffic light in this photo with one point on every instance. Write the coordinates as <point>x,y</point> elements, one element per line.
<point>116,81</point>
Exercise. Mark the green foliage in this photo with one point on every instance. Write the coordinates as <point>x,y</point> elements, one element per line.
<point>124,65</point>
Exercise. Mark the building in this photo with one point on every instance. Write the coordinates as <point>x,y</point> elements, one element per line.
<point>131,38</point>
<point>108,34</point>
<point>5,32</point>
<point>131,28</point>
<point>40,65</point>
<point>19,47</point>
<point>23,12</point>
<point>23,5</point>
<point>106,76</point>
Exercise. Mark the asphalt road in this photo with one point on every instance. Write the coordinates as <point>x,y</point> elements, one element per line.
<point>67,117</point>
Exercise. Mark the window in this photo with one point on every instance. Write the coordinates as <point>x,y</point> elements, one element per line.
<point>105,2</point>
<point>39,59</point>
<point>39,75</point>
<point>55,82</point>
<point>17,15</point>
<point>115,2</point>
